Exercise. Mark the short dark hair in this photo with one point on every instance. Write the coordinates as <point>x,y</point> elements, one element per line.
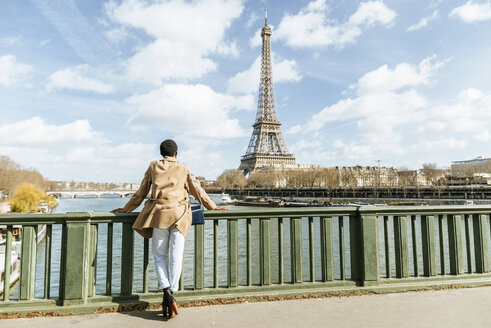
<point>168,148</point>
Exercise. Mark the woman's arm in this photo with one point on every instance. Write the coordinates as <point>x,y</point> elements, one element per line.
<point>138,196</point>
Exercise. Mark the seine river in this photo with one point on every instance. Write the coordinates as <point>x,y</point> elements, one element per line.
<point>107,204</point>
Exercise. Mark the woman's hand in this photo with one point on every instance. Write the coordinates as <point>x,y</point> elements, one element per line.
<point>118,210</point>
<point>222,208</point>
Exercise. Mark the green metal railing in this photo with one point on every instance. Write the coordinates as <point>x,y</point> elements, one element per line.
<point>314,247</point>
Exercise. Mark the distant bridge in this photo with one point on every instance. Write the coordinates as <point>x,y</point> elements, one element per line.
<point>82,193</point>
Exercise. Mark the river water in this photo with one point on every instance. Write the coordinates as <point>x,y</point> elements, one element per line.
<point>109,203</point>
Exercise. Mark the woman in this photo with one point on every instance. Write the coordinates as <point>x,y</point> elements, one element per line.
<point>166,217</point>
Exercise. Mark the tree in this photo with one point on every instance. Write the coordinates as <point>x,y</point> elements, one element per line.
<point>349,179</point>
<point>265,178</point>
<point>27,197</point>
<point>330,179</point>
<point>431,173</point>
<point>231,179</point>
<point>12,175</point>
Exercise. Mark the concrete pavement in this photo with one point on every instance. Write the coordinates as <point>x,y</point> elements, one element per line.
<point>446,308</point>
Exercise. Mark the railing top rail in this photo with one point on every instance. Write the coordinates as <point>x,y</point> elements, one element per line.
<point>59,218</point>
<point>280,212</point>
<point>427,210</point>
<point>104,217</point>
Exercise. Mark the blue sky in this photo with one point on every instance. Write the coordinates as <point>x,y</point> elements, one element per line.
<point>89,89</point>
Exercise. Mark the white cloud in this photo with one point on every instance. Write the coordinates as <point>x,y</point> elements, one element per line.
<point>166,60</point>
<point>305,144</point>
<point>423,22</point>
<point>384,101</point>
<point>403,75</point>
<point>473,11</point>
<point>73,151</point>
<point>228,49</point>
<point>439,144</point>
<point>468,114</point>
<point>179,49</point>
<point>252,19</point>
<point>372,13</point>
<point>284,70</point>
<point>117,35</point>
<point>189,112</point>
<point>13,73</point>
<point>74,78</point>
<point>391,117</point>
<point>36,132</point>
<point>312,28</point>
<point>482,136</point>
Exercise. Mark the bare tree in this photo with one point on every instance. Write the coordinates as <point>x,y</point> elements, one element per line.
<point>349,179</point>
<point>431,173</point>
<point>12,176</point>
<point>231,179</point>
<point>330,179</point>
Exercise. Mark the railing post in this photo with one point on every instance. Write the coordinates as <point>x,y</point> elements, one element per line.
<point>92,260</point>
<point>265,251</point>
<point>109,259</point>
<point>215,253</point>
<point>364,246</point>
<point>232,250</point>
<point>127,259</point>
<point>8,259</point>
<point>146,251</point>
<point>74,271</point>
<point>199,256</point>
<point>400,246</point>
<point>47,261</point>
<point>311,249</point>
<point>443,267</point>
<point>455,244</point>
<point>429,250</point>
<point>28,263</point>
<point>280,250</point>
<point>480,224</point>
<point>326,249</point>
<point>296,249</point>
<point>387,247</point>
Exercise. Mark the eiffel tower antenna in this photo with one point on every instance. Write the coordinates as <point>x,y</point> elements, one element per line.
<point>266,146</point>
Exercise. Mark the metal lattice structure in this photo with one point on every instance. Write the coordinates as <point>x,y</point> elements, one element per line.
<point>267,146</point>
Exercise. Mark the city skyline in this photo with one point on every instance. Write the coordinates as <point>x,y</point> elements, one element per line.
<point>89,89</point>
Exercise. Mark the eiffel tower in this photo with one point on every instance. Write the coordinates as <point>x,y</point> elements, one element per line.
<point>266,147</point>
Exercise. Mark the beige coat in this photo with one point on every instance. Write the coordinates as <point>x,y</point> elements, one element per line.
<point>168,204</point>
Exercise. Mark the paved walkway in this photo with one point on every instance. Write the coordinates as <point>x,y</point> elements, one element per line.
<point>447,308</point>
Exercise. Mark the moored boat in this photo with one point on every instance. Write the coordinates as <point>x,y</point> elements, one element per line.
<point>261,203</point>
<point>221,199</point>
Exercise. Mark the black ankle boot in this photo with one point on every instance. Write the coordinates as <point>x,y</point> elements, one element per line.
<point>165,305</point>
<point>171,303</point>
